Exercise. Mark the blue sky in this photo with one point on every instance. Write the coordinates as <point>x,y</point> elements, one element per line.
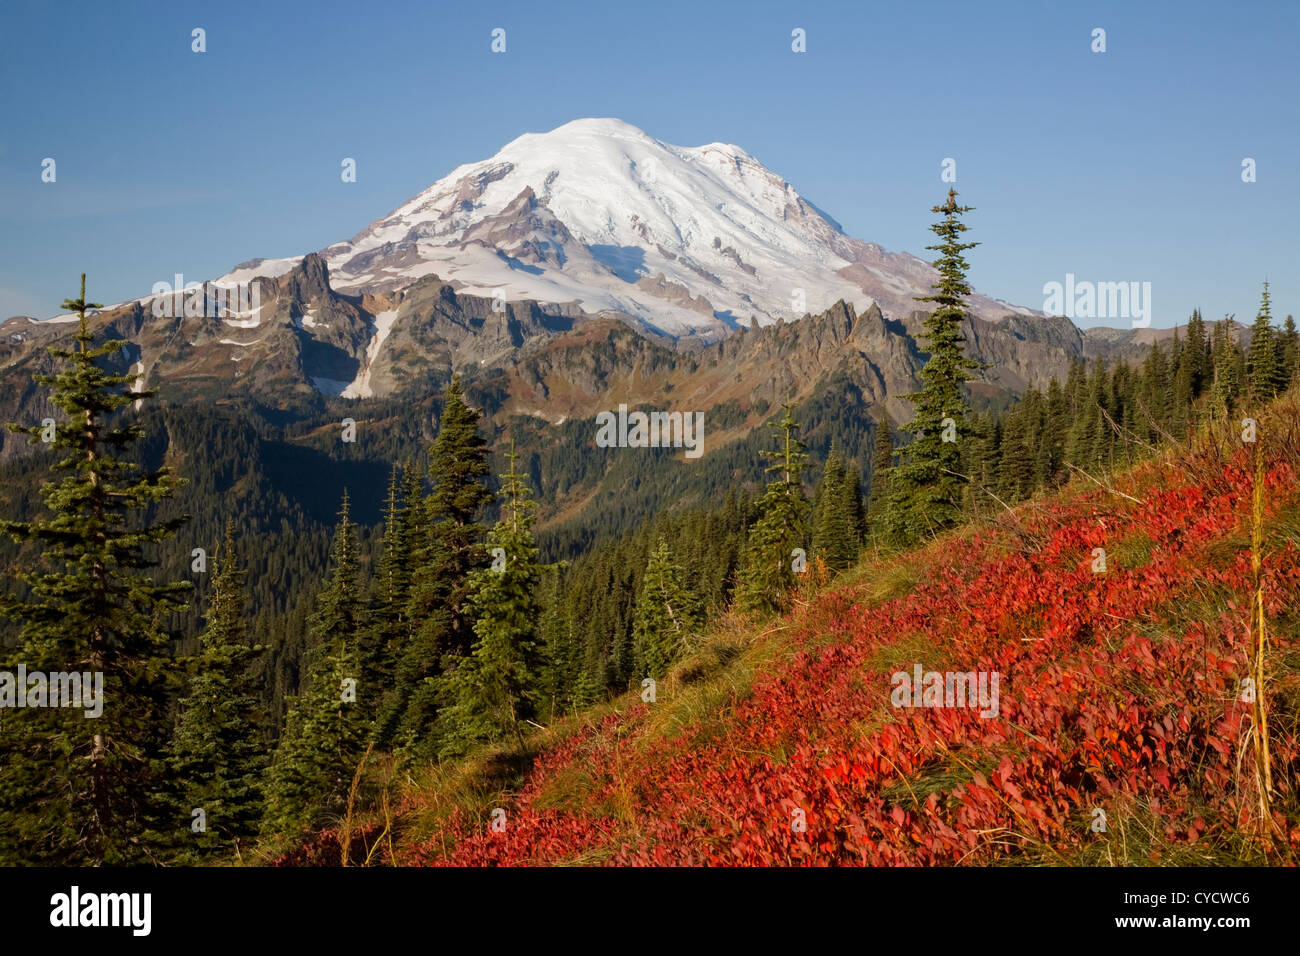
<point>1115,166</point>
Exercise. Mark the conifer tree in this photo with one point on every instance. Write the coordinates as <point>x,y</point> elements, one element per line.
<point>1289,351</point>
<point>983,465</point>
<point>388,625</point>
<point>1103,446</point>
<point>766,575</point>
<point>1184,392</point>
<point>882,461</point>
<point>593,676</point>
<point>1090,434</point>
<point>1121,428</point>
<point>1156,386</point>
<point>617,619</point>
<point>838,521</point>
<point>217,753</point>
<point>77,789</point>
<point>448,548</point>
<point>667,613</point>
<point>926,485</point>
<point>410,515</point>
<point>1016,474</point>
<point>826,511</point>
<point>855,516</point>
<point>1226,384</point>
<point>975,465</point>
<point>1264,371</point>
<point>1197,352</point>
<point>498,684</point>
<point>1175,354</point>
<point>321,745</point>
<point>1050,459</point>
<point>1075,387</point>
<point>561,650</point>
<point>394,560</point>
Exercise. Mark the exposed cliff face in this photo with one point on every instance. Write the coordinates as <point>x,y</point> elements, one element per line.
<point>300,341</point>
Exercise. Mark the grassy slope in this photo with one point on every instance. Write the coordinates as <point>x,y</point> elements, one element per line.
<point>1119,692</point>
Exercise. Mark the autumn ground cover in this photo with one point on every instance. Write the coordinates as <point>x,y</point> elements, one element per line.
<point>1124,732</point>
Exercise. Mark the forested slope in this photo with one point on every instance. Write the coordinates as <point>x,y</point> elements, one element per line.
<point>1123,733</point>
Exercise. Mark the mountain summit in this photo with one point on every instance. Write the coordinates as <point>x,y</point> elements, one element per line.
<point>596,213</point>
<point>498,261</point>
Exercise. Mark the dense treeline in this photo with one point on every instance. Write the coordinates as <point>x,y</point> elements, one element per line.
<point>1106,417</point>
<point>594,607</point>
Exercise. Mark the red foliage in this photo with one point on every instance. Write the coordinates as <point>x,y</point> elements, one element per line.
<point>326,848</point>
<point>1100,707</point>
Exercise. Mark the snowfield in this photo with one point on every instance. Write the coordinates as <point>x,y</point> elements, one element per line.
<point>711,219</point>
<point>359,387</point>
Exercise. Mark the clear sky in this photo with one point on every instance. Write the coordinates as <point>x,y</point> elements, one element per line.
<point>1115,166</point>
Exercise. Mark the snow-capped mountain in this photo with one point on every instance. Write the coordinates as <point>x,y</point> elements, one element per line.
<point>598,218</point>
<point>600,215</point>
<point>503,258</point>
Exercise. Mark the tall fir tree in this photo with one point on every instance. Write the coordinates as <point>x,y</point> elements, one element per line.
<point>1156,388</point>
<point>321,746</point>
<point>1184,390</point>
<point>1264,369</point>
<point>1126,383</point>
<point>74,789</point>
<point>1197,352</point>
<point>448,548</point>
<point>498,685</point>
<point>766,576</point>
<point>975,464</point>
<point>825,509</point>
<point>1226,379</point>
<point>392,578</point>
<point>1090,437</point>
<point>837,515</point>
<point>926,485</point>
<point>667,614</point>
<point>561,650</point>
<point>1050,461</point>
<point>1289,350</point>
<point>984,460</point>
<point>854,511</point>
<point>882,462</point>
<point>1016,471</point>
<point>217,753</point>
<point>384,632</point>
